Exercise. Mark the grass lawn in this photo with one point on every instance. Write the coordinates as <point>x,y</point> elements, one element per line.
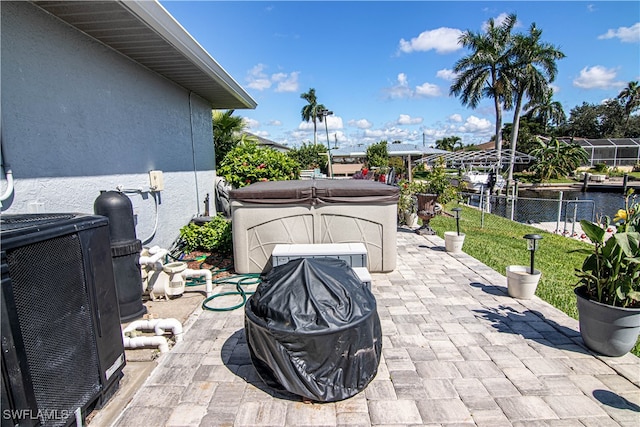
<point>500,243</point>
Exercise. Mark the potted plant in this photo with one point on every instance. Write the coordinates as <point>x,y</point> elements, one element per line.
<point>432,194</point>
<point>522,281</point>
<point>608,289</point>
<point>453,240</point>
<point>407,205</point>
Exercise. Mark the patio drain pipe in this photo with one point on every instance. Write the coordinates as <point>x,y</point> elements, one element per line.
<point>188,273</point>
<point>159,326</point>
<point>139,342</point>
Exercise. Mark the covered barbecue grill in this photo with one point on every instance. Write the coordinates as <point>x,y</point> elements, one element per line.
<point>312,329</point>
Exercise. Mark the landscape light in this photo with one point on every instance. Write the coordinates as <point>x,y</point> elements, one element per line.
<point>532,246</point>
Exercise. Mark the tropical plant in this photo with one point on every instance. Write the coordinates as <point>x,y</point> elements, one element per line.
<point>227,132</point>
<point>556,159</point>
<point>611,270</point>
<point>310,156</point>
<point>630,97</point>
<point>248,163</point>
<point>449,143</point>
<point>378,155</point>
<point>546,110</point>
<point>437,182</point>
<point>214,235</point>
<point>310,112</point>
<point>533,67</point>
<point>481,73</point>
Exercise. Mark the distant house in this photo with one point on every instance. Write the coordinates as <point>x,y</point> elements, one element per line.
<point>95,95</point>
<point>268,143</point>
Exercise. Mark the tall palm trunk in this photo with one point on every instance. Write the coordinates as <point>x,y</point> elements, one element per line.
<point>514,137</point>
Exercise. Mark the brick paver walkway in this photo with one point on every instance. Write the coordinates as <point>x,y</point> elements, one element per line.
<point>456,350</point>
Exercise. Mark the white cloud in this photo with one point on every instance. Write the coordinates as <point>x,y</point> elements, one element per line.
<point>442,40</point>
<point>406,119</point>
<point>475,124</point>
<point>259,80</point>
<point>597,77</point>
<point>625,34</point>
<point>251,123</point>
<point>446,74</point>
<point>360,124</point>
<point>287,83</point>
<point>402,89</point>
<point>498,21</point>
<point>274,123</point>
<point>261,133</point>
<point>428,89</point>
<point>333,123</point>
<point>457,118</point>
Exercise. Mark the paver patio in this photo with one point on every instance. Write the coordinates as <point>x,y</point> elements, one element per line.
<point>456,350</point>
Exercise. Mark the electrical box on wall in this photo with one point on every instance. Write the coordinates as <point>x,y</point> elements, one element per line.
<point>156,180</point>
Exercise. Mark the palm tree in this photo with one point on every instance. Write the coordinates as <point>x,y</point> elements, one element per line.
<point>449,143</point>
<point>310,111</point>
<point>546,110</point>
<point>557,159</point>
<point>480,74</point>
<point>533,67</point>
<point>630,96</point>
<point>227,132</point>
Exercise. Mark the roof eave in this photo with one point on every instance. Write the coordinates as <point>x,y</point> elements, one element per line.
<point>160,20</point>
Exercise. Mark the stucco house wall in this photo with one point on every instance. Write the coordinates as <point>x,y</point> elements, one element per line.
<point>79,117</point>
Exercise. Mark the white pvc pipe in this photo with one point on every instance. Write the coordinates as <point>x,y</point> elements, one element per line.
<point>154,341</point>
<point>159,326</point>
<point>199,273</point>
<point>155,260</point>
<point>7,193</point>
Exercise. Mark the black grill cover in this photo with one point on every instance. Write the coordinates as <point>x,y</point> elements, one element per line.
<point>313,330</point>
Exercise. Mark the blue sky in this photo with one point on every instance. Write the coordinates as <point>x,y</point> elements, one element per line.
<point>384,68</point>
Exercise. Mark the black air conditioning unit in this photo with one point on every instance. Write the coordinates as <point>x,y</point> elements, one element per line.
<point>62,345</point>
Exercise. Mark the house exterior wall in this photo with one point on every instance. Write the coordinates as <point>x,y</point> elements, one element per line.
<point>78,118</point>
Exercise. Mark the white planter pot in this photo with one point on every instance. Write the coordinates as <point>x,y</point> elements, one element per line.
<point>453,242</point>
<point>411,219</point>
<point>520,283</point>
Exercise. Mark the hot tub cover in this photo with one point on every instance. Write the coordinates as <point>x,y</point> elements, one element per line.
<point>312,329</point>
<point>316,191</point>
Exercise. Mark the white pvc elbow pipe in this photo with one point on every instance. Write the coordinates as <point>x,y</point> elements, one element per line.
<point>154,341</point>
<point>159,326</point>
<point>200,273</point>
<point>155,260</point>
<point>7,193</point>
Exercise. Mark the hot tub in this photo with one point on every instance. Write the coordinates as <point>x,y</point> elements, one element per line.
<point>265,214</point>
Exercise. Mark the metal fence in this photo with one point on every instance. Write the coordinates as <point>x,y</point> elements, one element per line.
<point>557,214</point>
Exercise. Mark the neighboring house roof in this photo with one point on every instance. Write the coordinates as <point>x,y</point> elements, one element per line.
<point>392,149</point>
<point>147,34</point>
<point>268,142</point>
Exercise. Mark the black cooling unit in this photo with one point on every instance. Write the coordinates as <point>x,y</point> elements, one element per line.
<point>61,338</point>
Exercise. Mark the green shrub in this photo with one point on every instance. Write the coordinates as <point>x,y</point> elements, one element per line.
<point>601,168</point>
<point>248,163</point>
<point>213,236</point>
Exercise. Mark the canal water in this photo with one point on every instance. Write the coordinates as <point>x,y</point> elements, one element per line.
<point>546,206</point>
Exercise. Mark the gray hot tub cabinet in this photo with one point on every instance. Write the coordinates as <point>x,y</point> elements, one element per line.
<point>265,214</point>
